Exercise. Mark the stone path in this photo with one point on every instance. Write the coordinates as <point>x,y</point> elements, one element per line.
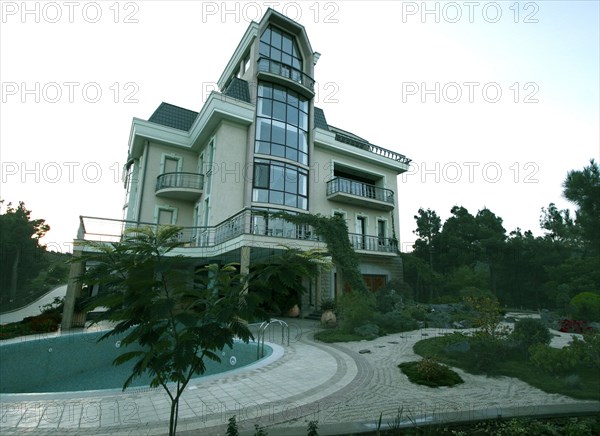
<point>333,383</point>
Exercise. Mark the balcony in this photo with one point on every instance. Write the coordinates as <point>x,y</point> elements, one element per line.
<point>258,227</point>
<point>179,186</point>
<point>373,243</point>
<point>278,70</point>
<point>358,193</point>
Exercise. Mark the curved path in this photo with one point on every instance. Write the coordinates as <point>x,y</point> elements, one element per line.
<point>33,308</point>
<point>344,390</point>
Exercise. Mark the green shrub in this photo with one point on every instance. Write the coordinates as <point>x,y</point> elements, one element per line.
<point>586,306</point>
<point>558,361</point>
<point>431,373</point>
<point>587,350</point>
<point>368,331</point>
<point>355,309</point>
<point>394,322</point>
<point>529,331</point>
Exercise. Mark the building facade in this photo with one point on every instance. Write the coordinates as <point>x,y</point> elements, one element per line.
<point>257,146</point>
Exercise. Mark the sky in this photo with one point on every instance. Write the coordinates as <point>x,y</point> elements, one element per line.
<point>494,102</point>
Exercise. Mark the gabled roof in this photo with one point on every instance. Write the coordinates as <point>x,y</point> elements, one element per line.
<point>173,116</point>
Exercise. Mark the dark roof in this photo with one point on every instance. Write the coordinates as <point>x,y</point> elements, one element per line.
<point>173,116</point>
<point>320,120</point>
<point>238,89</point>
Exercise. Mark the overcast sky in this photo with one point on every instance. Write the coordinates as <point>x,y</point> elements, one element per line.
<point>493,101</point>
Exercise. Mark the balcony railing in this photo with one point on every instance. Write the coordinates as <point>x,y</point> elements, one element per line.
<point>364,190</point>
<point>372,148</point>
<point>273,67</point>
<point>373,243</point>
<point>248,221</point>
<point>179,180</point>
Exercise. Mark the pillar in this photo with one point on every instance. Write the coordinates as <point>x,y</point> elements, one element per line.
<point>73,290</point>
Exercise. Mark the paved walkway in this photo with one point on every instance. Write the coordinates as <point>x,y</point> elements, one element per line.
<point>344,390</point>
<point>33,309</point>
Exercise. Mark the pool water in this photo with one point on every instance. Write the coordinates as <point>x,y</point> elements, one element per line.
<point>77,362</point>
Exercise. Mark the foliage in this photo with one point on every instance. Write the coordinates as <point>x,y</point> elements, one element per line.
<point>313,428</point>
<point>587,350</point>
<point>512,364</point>
<point>334,231</point>
<point>586,305</point>
<point>178,316</point>
<point>553,360</point>
<point>488,309</point>
<point>392,296</point>
<point>529,331</point>
<point>335,335</point>
<point>328,304</point>
<point>259,430</point>
<point>394,322</point>
<point>368,331</point>
<point>232,428</point>
<point>574,326</point>
<point>31,325</point>
<point>355,309</point>
<point>279,280</point>
<point>21,254</point>
<point>582,187</point>
<point>430,372</point>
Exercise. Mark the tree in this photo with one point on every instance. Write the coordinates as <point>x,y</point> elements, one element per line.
<point>178,316</point>
<point>583,189</point>
<point>428,229</point>
<point>558,223</point>
<point>20,248</point>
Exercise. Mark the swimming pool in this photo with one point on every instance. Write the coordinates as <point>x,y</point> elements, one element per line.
<point>77,362</point>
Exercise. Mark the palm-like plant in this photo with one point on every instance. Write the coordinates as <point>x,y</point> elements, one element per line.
<point>280,280</point>
<point>158,300</point>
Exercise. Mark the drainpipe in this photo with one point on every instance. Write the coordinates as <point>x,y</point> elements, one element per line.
<point>142,179</point>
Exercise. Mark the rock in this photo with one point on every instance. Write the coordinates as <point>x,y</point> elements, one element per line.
<point>364,351</point>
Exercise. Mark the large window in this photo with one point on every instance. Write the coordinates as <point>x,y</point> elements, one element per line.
<point>281,47</point>
<point>280,183</point>
<point>281,123</point>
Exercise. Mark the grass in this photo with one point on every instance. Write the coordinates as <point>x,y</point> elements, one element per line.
<point>514,365</point>
<point>335,335</point>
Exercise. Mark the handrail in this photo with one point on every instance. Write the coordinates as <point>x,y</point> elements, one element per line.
<point>179,180</point>
<point>274,67</point>
<point>348,186</point>
<point>260,351</point>
<point>372,148</point>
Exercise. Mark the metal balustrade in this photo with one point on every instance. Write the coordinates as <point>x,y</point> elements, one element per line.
<point>273,67</point>
<point>179,180</point>
<point>373,243</point>
<point>364,190</point>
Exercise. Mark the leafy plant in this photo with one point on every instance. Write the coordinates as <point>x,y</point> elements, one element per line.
<point>556,361</point>
<point>232,429</point>
<point>313,428</point>
<point>177,316</point>
<point>574,326</point>
<point>529,331</point>
<point>328,304</point>
<point>430,372</point>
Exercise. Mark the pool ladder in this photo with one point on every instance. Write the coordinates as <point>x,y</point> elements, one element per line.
<point>262,330</point>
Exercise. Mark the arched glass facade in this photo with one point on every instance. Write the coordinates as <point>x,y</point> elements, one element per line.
<point>281,142</point>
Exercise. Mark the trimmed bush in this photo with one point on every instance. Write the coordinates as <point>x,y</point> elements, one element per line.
<point>586,305</point>
<point>368,331</point>
<point>529,331</point>
<point>395,322</point>
<point>430,373</point>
